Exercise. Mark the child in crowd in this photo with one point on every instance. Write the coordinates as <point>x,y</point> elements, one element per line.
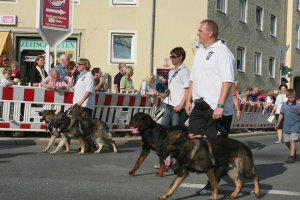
<point>7,82</point>
<point>16,75</point>
<point>290,110</point>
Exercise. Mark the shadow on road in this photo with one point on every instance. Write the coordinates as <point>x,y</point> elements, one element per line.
<point>254,145</point>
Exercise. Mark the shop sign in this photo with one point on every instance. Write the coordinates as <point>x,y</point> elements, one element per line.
<point>39,44</point>
<point>8,20</point>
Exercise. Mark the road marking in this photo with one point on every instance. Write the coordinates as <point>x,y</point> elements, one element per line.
<point>265,191</point>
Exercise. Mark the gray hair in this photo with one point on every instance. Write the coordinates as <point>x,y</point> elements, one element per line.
<point>62,56</point>
<point>128,69</point>
<point>53,71</point>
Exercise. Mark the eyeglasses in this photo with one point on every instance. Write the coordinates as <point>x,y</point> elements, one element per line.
<point>5,60</point>
<point>172,57</point>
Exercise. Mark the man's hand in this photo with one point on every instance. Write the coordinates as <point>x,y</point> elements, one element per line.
<point>218,112</point>
<point>188,108</point>
<point>177,108</point>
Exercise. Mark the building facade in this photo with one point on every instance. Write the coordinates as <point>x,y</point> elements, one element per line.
<point>142,33</point>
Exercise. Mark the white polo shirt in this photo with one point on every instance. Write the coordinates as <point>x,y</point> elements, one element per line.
<point>212,67</point>
<point>179,80</point>
<point>83,84</point>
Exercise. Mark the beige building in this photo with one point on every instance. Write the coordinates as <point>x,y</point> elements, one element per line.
<point>111,31</point>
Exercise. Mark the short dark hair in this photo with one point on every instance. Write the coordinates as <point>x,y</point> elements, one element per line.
<point>95,70</point>
<point>282,85</point>
<point>178,51</point>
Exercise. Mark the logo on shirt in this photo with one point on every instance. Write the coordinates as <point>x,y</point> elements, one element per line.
<point>209,55</point>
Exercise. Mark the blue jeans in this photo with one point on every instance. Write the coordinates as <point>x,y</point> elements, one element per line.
<point>172,118</point>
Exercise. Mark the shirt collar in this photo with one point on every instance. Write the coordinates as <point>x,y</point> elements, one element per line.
<point>180,67</point>
<point>294,103</point>
<point>214,45</point>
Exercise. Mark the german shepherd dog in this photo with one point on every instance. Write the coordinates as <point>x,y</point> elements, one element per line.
<point>48,116</point>
<point>153,135</point>
<point>82,128</point>
<point>208,155</point>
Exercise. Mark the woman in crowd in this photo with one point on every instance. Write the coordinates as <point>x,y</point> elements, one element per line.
<point>100,84</point>
<point>38,73</point>
<point>126,84</point>
<point>54,81</point>
<point>148,86</point>
<point>84,90</point>
<point>3,63</point>
<point>69,76</point>
<point>280,99</point>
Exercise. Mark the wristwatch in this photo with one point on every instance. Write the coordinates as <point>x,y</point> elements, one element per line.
<point>220,105</point>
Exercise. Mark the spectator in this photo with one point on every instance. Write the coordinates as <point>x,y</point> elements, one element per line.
<point>75,74</point>
<point>162,85</point>
<point>3,64</point>
<point>280,99</point>
<point>84,91</point>
<point>38,73</point>
<point>269,98</point>
<point>63,66</point>
<point>212,77</point>
<point>54,81</point>
<point>178,84</point>
<point>7,82</point>
<point>16,75</point>
<point>118,77</point>
<point>291,125</point>
<point>246,97</point>
<point>148,86</point>
<point>261,96</point>
<point>254,94</point>
<point>100,84</point>
<point>235,99</point>
<point>126,84</point>
<point>69,78</point>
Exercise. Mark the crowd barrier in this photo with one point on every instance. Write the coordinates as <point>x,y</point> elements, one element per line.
<point>22,104</point>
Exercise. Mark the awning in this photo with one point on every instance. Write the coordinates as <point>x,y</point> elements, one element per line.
<point>3,38</point>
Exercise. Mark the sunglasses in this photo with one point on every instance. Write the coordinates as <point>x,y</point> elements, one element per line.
<point>5,60</point>
<point>172,57</point>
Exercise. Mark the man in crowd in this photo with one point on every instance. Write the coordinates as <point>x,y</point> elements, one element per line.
<point>63,66</point>
<point>118,77</point>
<point>162,85</point>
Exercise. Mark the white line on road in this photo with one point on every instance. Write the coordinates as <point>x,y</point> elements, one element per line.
<point>265,191</point>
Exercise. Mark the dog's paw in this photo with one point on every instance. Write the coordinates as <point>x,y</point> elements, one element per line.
<point>160,198</point>
<point>230,197</point>
<point>66,151</point>
<point>96,152</point>
<point>159,175</point>
<point>53,152</point>
<point>131,172</point>
<point>80,153</point>
<point>44,151</point>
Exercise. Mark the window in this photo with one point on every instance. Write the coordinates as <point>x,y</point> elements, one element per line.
<point>124,2</point>
<point>298,5</point>
<point>123,46</point>
<point>257,63</point>
<point>221,5</point>
<point>273,25</point>
<point>297,37</point>
<point>9,1</point>
<point>242,10</point>
<point>259,18</point>
<point>240,60</point>
<point>272,67</point>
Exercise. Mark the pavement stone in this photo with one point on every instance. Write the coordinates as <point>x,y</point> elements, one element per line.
<point>118,140</point>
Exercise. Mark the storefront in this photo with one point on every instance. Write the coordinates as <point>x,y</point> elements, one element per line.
<point>29,48</point>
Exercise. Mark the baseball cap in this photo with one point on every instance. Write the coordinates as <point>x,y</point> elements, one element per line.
<point>165,75</point>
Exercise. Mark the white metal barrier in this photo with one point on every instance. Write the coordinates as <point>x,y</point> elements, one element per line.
<point>22,103</point>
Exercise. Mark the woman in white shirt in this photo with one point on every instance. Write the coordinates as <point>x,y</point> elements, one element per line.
<point>280,99</point>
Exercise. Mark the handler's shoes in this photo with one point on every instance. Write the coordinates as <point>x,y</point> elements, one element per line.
<point>206,191</point>
<point>278,142</point>
<point>290,160</point>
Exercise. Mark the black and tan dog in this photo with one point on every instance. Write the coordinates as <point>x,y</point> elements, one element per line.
<point>152,135</point>
<point>48,116</point>
<point>82,128</point>
<point>207,156</point>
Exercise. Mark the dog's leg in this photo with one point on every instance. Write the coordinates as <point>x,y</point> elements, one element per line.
<point>50,143</point>
<point>233,174</point>
<point>251,175</point>
<point>160,173</point>
<point>176,182</point>
<point>60,144</point>
<point>144,153</point>
<point>212,177</point>
<point>112,143</point>
<point>67,146</point>
<point>82,145</point>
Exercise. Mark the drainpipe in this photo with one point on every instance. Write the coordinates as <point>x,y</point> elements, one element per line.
<point>152,35</point>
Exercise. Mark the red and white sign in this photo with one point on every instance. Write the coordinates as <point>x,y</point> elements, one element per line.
<point>8,19</point>
<point>56,14</point>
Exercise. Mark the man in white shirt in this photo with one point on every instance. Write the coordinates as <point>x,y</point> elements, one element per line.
<point>212,78</point>
<point>178,84</point>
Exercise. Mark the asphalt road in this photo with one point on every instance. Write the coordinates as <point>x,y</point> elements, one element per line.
<point>26,173</point>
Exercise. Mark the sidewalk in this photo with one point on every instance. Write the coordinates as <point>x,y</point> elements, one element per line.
<point>118,140</point>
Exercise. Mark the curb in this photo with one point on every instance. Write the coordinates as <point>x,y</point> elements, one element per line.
<point>118,140</point>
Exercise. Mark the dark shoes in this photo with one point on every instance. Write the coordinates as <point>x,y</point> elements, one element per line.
<point>291,159</point>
